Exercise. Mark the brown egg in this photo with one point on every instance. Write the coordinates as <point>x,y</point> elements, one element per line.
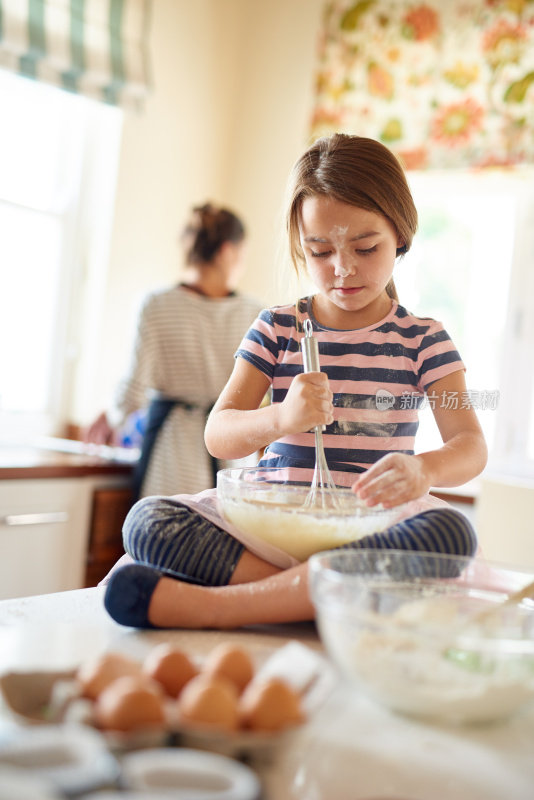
<point>170,667</point>
<point>270,705</point>
<point>130,703</point>
<point>231,662</point>
<point>95,675</point>
<point>209,700</point>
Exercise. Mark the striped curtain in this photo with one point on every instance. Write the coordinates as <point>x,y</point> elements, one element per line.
<point>97,48</point>
<point>443,83</point>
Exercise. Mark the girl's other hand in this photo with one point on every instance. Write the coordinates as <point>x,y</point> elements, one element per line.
<point>307,403</point>
<point>396,478</point>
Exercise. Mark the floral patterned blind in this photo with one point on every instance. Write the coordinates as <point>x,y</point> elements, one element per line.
<point>443,83</point>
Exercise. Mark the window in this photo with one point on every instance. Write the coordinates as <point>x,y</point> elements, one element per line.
<point>58,162</point>
<point>471,267</point>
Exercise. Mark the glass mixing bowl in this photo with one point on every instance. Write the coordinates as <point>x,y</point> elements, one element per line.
<point>269,504</point>
<point>402,626</point>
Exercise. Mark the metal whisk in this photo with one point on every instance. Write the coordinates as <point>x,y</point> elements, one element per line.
<point>322,479</point>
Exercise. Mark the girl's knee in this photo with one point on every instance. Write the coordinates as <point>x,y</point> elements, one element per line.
<point>149,518</point>
<point>165,533</point>
<point>454,531</point>
<point>141,514</point>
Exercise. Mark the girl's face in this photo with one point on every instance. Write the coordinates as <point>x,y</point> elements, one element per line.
<point>350,254</point>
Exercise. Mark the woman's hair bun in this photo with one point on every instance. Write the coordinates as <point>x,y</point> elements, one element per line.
<point>207,229</point>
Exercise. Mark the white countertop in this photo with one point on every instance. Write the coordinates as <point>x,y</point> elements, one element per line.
<point>351,750</point>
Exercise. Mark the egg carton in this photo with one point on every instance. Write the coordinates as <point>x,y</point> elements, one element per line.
<point>39,697</point>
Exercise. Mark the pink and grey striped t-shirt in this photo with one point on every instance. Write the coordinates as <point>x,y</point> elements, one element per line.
<point>378,375</point>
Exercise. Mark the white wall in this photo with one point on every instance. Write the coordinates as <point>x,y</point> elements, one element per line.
<point>278,62</point>
<point>228,115</point>
<point>504,512</point>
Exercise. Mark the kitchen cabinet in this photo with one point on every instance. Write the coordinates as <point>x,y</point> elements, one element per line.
<point>60,521</point>
<point>43,535</point>
<point>58,534</point>
<point>109,508</point>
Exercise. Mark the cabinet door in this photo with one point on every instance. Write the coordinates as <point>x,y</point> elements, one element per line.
<point>109,509</point>
<point>43,535</point>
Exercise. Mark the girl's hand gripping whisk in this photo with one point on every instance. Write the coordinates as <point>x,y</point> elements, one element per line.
<point>322,491</point>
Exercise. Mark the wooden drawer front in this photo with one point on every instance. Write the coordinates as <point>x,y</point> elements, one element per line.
<point>109,510</point>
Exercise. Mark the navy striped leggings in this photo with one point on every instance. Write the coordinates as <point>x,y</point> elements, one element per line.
<point>164,533</point>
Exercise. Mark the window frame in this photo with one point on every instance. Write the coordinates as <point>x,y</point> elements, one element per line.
<point>85,211</point>
<point>512,451</point>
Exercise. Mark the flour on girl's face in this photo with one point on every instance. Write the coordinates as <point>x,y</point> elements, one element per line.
<point>338,234</point>
<point>347,248</point>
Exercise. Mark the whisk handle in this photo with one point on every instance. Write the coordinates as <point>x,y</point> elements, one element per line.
<point>310,349</point>
<point>310,356</point>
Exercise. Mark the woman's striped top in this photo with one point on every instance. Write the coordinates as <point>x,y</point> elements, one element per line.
<point>184,350</point>
<point>378,375</point>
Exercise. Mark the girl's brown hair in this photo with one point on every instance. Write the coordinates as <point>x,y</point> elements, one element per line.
<point>208,228</point>
<point>354,170</point>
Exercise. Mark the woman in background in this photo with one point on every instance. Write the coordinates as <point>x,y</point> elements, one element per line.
<point>183,355</point>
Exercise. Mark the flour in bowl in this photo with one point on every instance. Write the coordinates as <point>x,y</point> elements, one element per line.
<point>410,670</point>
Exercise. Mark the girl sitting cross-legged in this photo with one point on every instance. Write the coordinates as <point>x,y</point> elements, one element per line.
<point>350,215</point>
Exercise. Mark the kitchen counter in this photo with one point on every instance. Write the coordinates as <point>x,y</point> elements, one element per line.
<point>62,458</point>
<point>351,749</point>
